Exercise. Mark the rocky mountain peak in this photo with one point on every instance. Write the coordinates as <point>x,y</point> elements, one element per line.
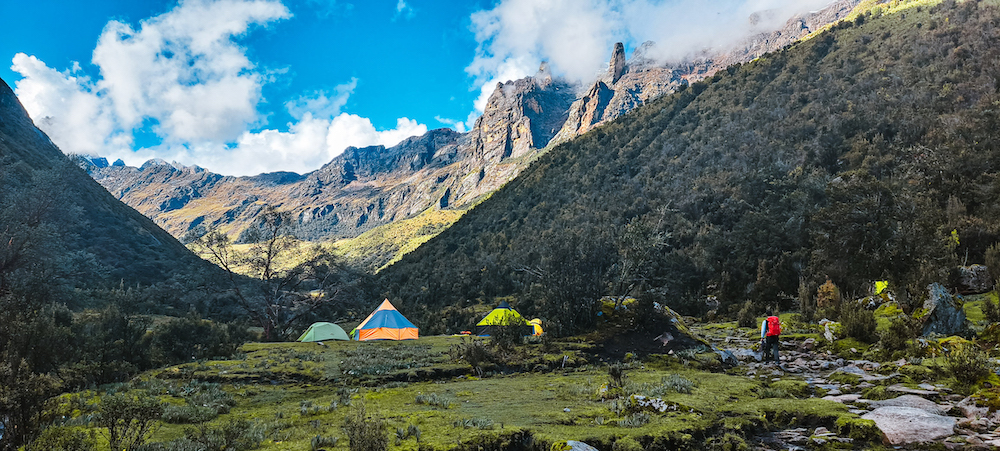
<point>616,67</point>
<point>521,115</point>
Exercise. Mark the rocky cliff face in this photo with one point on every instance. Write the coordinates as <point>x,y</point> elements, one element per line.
<point>367,187</point>
<point>633,82</point>
<point>363,187</point>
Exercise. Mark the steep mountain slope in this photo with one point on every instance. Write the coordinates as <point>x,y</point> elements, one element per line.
<point>867,152</point>
<point>361,188</point>
<point>125,245</point>
<point>366,188</point>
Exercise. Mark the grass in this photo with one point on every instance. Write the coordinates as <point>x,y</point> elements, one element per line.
<point>384,245</point>
<point>297,392</point>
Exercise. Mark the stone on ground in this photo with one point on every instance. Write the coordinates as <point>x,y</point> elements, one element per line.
<point>913,401</point>
<point>908,425</point>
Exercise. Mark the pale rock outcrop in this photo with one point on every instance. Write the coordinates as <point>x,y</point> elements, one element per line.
<point>907,425</point>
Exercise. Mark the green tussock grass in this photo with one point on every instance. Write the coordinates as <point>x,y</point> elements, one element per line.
<point>384,245</point>
<point>297,391</point>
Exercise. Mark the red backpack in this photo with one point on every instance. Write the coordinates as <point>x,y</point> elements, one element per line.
<point>773,326</point>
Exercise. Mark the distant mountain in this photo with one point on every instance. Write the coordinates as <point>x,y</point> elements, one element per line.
<point>363,187</point>
<point>115,243</point>
<point>869,152</point>
<point>374,186</point>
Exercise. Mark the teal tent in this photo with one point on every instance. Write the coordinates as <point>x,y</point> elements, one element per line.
<point>323,332</point>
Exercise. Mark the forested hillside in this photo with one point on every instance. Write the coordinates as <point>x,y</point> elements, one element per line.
<point>868,152</point>
<point>51,210</point>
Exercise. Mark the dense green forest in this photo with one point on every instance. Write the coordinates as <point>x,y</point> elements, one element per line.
<point>868,152</point>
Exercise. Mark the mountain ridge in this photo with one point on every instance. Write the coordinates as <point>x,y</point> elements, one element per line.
<point>364,188</point>
<point>127,245</point>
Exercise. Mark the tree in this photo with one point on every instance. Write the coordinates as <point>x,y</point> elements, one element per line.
<point>637,246</point>
<point>32,258</point>
<point>130,420</point>
<point>279,292</point>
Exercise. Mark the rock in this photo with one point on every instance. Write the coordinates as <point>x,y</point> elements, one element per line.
<point>572,445</point>
<point>972,279</point>
<point>843,399</point>
<point>907,425</point>
<point>616,67</point>
<point>900,388</point>
<point>970,409</point>
<point>944,314</point>
<point>912,401</point>
<point>809,344</point>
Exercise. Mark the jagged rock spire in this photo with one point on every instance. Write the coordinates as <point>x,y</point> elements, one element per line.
<point>616,67</point>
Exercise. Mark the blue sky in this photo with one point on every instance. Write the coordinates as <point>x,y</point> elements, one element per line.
<point>248,86</point>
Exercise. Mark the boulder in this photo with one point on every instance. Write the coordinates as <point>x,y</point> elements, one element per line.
<point>943,314</point>
<point>912,401</point>
<point>907,425</point>
<point>572,445</point>
<point>972,279</point>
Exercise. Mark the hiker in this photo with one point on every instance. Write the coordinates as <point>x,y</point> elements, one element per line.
<point>770,330</point>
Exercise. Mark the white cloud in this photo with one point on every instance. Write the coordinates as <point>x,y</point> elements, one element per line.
<point>183,74</point>
<point>576,36</point>
<point>404,10</point>
<point>64,105</point>
<point>307,145</point>
<point>319,104</point>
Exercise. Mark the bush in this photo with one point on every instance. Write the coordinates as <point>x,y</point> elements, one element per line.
<point>476,353</point>
<point>130,420</point>
<point>319,441</point>
<point>60,438</point>
<point>366,433</point>
<point>857,322</point>
<point>901,329</point>
<point>616,375</point>
<point>968,364</point>
<point>192,338</point>
<point>626,444</point>
<point>234,435</point>
<point>746,316</point>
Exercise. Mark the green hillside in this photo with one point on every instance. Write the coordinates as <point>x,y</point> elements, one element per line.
<point>51,208</point>
<point>851,156</point>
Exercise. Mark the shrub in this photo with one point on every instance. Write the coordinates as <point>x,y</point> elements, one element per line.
<point>187,414</point>
<point>478,423</point>
<point>746,316</point>
<point>827,298</point>
<point>476,353</point>
<point>901,329</point>
<point>234,435</point>
<point>991,310</point>
<point>727,442</point>
<point>616,375</point>
<point>366,432</point>
<point>61,438</point>
<point>637,419</point>
<point>433,400</point>
<point>626,444</point>
<point>130,420</point>
<point>857,322</point>
<point>968,364</point>
<point>318,442</point>
<point>192,338</point>
<point>677,383</point>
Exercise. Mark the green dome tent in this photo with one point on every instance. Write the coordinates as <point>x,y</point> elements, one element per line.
<point>503,315</point>
<point>323,332</point>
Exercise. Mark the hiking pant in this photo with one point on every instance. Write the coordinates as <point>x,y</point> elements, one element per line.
<point>770,348</point>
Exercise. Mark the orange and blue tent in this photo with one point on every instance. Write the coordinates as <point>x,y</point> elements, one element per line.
<point>385,323</point>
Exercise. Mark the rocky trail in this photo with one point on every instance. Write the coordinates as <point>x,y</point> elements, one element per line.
<point>908,416</point>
